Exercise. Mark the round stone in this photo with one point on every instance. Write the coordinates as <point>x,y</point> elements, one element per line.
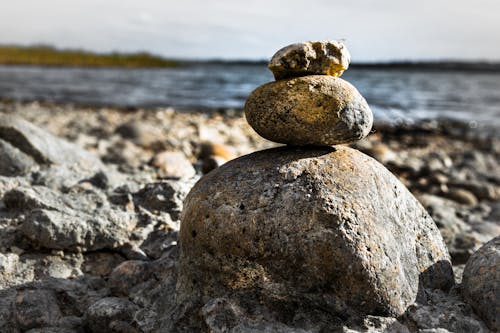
<point>481,283</point>
<point>310,58</point>
<point>310,110</point>
<point>325,228</point>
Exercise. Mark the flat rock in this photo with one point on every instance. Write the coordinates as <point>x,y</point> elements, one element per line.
<point>310,110</point>
<point>72,220</point>
<point>481,283</point>
<point>164,196</point>
<point>308,228</point>
<point>310,58</point>
<point>42,146</point>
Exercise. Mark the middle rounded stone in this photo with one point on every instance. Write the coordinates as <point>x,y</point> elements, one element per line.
<point>309,110</point>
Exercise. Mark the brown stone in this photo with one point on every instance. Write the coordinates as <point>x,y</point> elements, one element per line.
<point>325,228</point>
<point>310,110</point>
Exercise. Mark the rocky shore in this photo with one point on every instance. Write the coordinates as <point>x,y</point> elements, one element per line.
<point>90,204</point>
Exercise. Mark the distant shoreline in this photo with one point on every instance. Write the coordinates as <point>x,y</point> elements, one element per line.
<point>481,66</point>
<point>52,57</point>
<point>48,56</point>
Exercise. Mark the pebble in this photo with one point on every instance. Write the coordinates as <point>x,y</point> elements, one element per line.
<point>461,196</point>
<point>173,164</point>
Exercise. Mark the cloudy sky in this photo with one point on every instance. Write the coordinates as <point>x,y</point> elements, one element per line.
<point>253,29</point>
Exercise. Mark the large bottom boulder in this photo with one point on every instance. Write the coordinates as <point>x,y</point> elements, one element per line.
<point>306,230</point>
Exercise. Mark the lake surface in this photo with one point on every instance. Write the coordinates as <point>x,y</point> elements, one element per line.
<point>394,94</point>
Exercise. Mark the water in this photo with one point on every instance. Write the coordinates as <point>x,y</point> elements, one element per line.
<point>394,95</point>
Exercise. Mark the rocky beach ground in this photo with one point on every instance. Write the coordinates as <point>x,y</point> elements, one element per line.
<point>105,256</point>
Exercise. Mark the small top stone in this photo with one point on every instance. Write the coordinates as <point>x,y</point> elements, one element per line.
<point>310,58</point>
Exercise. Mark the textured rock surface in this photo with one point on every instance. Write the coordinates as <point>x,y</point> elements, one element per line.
<point>69,221</point>
<point>481,283</point>
<point>428,157</point>
<point>443,311</point>
<point>166,196</point>
<point>310,58</point>
<point>310,110</point>
<point>318,227</point>
<point>108,313</point>
<point>36,308</point>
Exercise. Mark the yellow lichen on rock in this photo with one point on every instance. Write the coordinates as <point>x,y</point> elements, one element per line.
<point>310,58</point>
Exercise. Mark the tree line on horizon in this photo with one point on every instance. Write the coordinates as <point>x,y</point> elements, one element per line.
<point>43,55</point>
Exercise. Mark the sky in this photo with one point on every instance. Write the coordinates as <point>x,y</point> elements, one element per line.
<point>374,30</point>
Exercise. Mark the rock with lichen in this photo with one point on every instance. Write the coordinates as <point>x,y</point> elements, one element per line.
<point>310,110</point>
<point>300,230</point>
<point>310,58</point>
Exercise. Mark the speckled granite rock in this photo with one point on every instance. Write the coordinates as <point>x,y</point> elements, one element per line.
<point>326,228</point>
<point>309,58</point>
<point>310,110</point>
<point>481,283</point>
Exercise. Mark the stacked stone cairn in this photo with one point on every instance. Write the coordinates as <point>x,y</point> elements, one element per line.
<point>310,234</point>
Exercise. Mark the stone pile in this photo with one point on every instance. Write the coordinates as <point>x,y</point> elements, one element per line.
<point>310,235</point>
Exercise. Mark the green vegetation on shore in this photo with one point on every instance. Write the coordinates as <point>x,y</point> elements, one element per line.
<point>49,56</point>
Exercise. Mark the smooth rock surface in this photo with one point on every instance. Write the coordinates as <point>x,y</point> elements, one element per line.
<point>310,58</point>
<point>310,110</point>
<point>14,162</point>
<point>173,164</point>
<point>42,146</point>
<point>481,283</point>
<point>311,228</point>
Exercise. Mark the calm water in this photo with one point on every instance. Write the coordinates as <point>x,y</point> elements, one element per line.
<point>394,95</point>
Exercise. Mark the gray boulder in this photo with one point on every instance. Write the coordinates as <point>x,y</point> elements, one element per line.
<point>311,110</point>
<point>306,229</point>
<point>14,162</point>
<point>481,283</point>
<point>42,146</point>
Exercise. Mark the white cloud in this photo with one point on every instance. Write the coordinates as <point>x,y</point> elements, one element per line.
<point>374,29</point>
